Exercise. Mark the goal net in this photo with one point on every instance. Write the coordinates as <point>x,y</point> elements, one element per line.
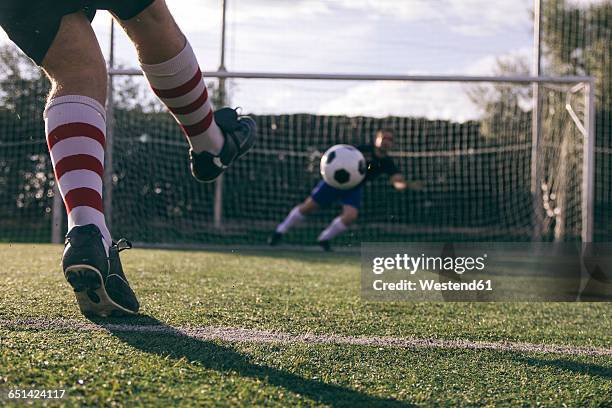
<point>469,144</point>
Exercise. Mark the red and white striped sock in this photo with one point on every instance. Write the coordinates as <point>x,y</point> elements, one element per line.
<point>76,135</point>
<point>179,84</point>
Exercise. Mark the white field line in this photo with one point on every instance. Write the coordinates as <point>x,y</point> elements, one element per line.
<point>233,334</point>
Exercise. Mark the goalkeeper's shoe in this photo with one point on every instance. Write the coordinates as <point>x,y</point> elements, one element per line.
<point>239,135</point>
<point>325,245</point>
<point>275,238</point>
<point>99,283</point>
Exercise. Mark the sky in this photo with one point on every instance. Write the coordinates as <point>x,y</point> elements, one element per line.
<point>464,37</point>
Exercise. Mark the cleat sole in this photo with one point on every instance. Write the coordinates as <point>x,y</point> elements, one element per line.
<point>91,294</point>
<point>244,149</point>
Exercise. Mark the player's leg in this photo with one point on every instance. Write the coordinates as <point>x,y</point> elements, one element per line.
<point>295,216</point>
<point>298,214</point>
<point>340,224</point>
<point>76,130</point>
<point>75,120</point>
<point>322,195</point>
<point>308,207</point>
<point>351,202</point>
<point>170,66</point>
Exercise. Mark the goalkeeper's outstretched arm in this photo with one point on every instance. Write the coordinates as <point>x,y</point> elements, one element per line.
<point>398,181</point>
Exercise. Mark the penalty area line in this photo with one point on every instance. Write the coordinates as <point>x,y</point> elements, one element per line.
<point>240,335</point>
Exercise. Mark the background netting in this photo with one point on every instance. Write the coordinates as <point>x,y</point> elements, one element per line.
<point>26,176</point>
<point>476,168</point>
<point>477,176</point>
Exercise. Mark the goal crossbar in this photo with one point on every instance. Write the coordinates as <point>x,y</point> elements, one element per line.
<point>381,77</point>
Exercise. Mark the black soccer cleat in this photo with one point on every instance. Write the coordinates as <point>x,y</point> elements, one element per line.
<point>275,238</point>
<point>325,245</point>
<point>99,283</point>
<point>239,138</point>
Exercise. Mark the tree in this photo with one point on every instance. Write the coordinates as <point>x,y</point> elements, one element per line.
<point>504,106</point>
<point>26,178</point>
<point>576,41</point>
<point>22,86</point>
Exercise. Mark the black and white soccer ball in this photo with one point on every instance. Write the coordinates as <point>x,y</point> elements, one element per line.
<point>343,166</point>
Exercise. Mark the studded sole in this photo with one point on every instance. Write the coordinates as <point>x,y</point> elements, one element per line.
<point>91,294</point>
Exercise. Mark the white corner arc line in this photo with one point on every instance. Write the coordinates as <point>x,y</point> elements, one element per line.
<point>240,335</point>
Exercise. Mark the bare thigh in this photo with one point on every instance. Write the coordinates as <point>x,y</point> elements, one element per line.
<point>309,206</point>
<point>349,214</point>
<point>155,34</point>
<point>74,63</point>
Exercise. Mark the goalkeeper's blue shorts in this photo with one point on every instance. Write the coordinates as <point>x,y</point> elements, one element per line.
<point>325,195</point>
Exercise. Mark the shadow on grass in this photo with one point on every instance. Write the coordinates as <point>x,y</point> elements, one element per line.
<point>567,365</point>
<point>311,253</point>
<point>311,256</point>
<point>170,342</point>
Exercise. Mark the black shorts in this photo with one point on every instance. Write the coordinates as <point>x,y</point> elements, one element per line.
<point>33,24</point>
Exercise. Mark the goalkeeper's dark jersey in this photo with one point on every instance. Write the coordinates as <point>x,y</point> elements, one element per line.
<point>377,165</point>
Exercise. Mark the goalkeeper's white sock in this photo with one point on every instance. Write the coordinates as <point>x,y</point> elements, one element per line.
<point>76,135</point>
<point>335,228</point>
<point>294,217</point>
<point>179,84</point>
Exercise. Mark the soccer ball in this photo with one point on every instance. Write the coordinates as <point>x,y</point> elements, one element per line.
<point>343,166</point>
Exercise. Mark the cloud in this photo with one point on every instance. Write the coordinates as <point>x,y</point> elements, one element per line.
<point>371,98</point>
<point>468,17</point>
<point>380,99</point>
<point>355,98</point>
<point>586,3</point>
<point>270,10</point>
<point>347,36</point>
<point>482,17</point>
<point>488,64</point>
<point>205,15</point>
<point>197,15</point>
<point>402,10</point>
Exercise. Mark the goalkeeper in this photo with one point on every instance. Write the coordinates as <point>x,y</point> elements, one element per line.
<point>57,35</point>
<point>378,162</point>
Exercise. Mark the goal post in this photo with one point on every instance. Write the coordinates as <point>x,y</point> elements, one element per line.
<point>567,209</point>
<point>588,171</point>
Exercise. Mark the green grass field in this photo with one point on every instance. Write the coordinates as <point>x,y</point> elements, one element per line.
<point>46,343</point>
